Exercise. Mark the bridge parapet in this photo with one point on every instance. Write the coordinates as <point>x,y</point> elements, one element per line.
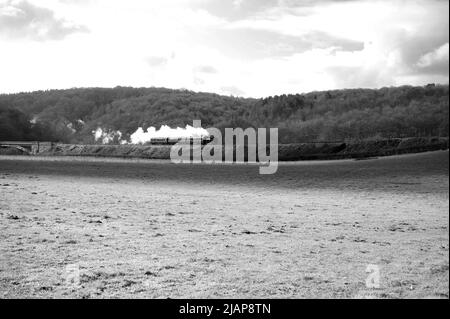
<point>28,147</point>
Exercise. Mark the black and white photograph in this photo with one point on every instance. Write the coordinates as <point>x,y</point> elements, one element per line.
<point>224,154</point>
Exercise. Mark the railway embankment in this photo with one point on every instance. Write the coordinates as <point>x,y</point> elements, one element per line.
<point>286,152</point>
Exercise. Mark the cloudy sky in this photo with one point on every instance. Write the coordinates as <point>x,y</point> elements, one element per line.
<point>233,47</point>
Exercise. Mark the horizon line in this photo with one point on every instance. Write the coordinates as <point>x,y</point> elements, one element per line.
<point>206,92</point>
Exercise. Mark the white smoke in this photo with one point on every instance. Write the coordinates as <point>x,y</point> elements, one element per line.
<point>70,127</point>
<point>141,136</point>
<point>107,136</point>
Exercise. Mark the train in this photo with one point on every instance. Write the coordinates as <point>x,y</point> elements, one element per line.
<point>186,140</point>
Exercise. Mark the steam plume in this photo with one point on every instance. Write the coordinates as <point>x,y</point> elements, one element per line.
<point>141,137</point>
<point>107,136</point>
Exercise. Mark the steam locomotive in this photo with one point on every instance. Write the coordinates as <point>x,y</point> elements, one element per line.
<point>186,140</point>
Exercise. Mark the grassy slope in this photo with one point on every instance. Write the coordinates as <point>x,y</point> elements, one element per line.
<point>164,230</point>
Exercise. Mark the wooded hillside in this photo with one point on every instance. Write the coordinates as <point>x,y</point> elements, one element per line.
<point>71,115</point>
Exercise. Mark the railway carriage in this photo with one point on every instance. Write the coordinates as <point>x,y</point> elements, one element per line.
<point>187,140</point>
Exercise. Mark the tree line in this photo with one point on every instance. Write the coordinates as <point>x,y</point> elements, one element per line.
<point>71,115</point>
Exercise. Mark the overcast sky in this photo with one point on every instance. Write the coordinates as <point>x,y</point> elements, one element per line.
<point>242,47</point>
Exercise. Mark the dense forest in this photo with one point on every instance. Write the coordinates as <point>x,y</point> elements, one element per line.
<point>72,115</point>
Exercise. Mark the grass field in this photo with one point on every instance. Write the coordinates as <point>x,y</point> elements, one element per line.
<point>155,229</point>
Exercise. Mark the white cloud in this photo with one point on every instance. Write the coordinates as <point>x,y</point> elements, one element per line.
<point>267,48</point>
<point>436,56</point>
<point>22,19</point>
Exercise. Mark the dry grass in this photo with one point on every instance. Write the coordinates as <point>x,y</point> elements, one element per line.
<point>155,229</point>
